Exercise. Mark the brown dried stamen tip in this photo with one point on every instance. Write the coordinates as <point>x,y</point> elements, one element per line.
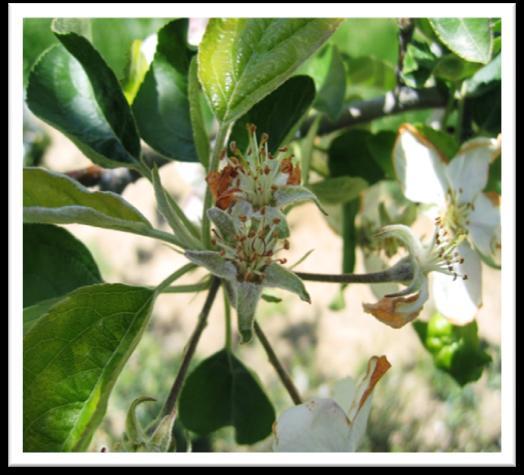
<point>282,261</point>
<point>286,244</point>
<point>213,241</point>
<point>249,151</point>
<point>276,221</point>
<point>242,218</point>
<point>461,261</point>
<point>274,187</point>
<point>233,146</point>
<point>465,277</point>
<point>267,170</point>
<point>270,156</point>
<point>269,253</point>
<point>251,128</point>
<point>252,233</point>
<point>222,253</point>
<point>274,234</point>
<point>282,149</point>
<point>264,138</point>
<point>263,210</point>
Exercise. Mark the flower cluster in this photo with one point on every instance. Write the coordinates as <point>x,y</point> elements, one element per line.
<point>251,190</point>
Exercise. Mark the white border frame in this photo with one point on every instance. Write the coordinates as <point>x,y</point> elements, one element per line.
<point>506,11</point>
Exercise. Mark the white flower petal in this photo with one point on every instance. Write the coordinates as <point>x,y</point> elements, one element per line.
<point>419,167</point>
<point>459,300</point>
<point>468,171</point>
<point>319,425</point>
<point>484,228</point>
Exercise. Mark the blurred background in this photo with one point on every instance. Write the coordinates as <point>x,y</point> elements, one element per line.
<point>416,407</point>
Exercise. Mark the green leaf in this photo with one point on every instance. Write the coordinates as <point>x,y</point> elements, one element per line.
<point>338,190</point>
<point>55,198</point>
<point>469,38</point>
<point>452,68</point>
<point>75,91</point>
<point>485,79</point>
<point>290,195</point>
<point>135,72</point>
<point>485,110</point>
<point>328,71</point>
<point>419,62</point>
<point>55,263</point>
<point>127,30</point>
<point>194,94</point>
<point>277,114</point>
<point>247,297</point>
<point>456,350</point>
<point>214,263</point>
<point>281,278</point>
<point>495,176</point>
<point>38,37</point>
<point>380,145</point>
<point>241,60</point>
<point>161,106</point>
<point>222,392</point>
<point>350,155</point>
<point>368,75</point>
<point>72,358</point>
<point>33,313</point>
<point>375,37</point>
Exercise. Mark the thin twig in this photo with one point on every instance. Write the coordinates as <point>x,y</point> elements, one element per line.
<point>170,403</point>
<point>393,102</point>
<point>273,359</point>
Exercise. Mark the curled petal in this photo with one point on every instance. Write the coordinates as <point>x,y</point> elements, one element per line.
<point>399,310</point>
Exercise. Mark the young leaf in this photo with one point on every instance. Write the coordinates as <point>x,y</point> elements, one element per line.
<point>55,263</point>
<point>214,263</point>
<point>469,38</point>
<point>135,71</point>
<point>277,276</point>
<point>55,198</point>
<point>241,60</point>
<point>223,222</point>
<point>72,358</point>
<point>277,114</point>
<point>194,94</point>
<point>247,295</point>
<point>74,90</point>
<point>290,195</point>
<point>338,190</point>
<point>161,106</point>
<point>456,350</point>
<point>222,392</point>
<point>452,68</point>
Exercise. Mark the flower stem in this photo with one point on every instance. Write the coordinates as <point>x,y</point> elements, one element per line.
<point>170,403</point>
<point>273,359</point>
<point>402,271</point>
<point>220,143</point>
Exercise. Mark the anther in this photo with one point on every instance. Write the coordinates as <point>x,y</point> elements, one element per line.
<point>465,277</point>
<point>276,220</point>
